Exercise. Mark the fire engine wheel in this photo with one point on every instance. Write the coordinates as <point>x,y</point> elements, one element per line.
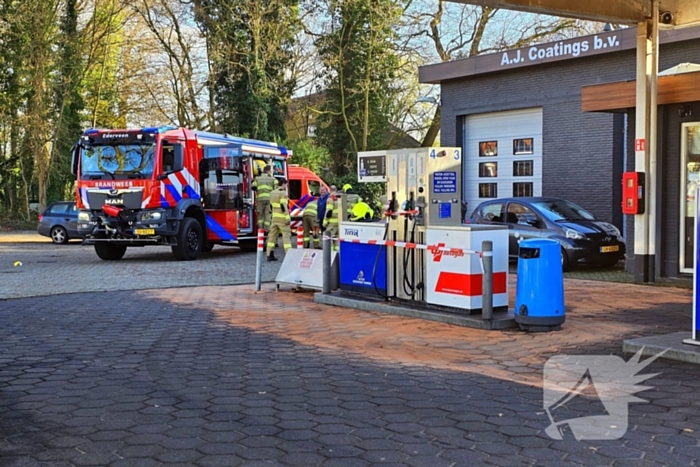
<point>189,240</point>
<point>109,251</point>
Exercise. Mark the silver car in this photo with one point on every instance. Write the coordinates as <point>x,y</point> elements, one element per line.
<point>59,221</point>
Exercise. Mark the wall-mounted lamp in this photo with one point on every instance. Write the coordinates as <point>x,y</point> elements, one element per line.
<point>686,110</point>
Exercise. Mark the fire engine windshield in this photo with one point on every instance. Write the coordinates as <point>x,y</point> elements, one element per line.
<point>118,160</point>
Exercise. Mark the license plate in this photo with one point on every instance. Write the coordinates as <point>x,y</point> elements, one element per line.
<point>608,249</point>
<point>144,231</point>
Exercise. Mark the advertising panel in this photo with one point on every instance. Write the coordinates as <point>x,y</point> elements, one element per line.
<point>454,278</point>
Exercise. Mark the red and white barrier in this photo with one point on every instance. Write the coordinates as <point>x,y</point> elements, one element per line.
<point>300,237</point>
<point>261,240</point>
<point>258,260</point>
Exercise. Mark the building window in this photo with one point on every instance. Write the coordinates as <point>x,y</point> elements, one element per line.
<point>311,131</point>
<point>522,189</point>
<point>488,169</point>
<point>488,148</point>
<point>523,146</point>
<point>522,168</point>
<point>488,190</point>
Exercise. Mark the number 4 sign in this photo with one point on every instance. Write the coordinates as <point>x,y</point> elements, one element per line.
<point>639,144</point>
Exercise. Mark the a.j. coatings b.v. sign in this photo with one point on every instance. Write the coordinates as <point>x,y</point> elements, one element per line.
<point>563,49</point>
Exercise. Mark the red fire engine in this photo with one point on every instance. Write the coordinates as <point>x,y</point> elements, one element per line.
<point>168,186</point>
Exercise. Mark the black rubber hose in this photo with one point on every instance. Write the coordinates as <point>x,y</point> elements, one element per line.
<point>408,253</point>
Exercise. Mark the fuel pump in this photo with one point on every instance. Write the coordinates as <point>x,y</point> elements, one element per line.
<point>438,262</point>
<point>424,186</point>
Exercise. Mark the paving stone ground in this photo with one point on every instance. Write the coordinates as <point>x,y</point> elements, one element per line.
<point>221,376</point>
<point>49,269</point>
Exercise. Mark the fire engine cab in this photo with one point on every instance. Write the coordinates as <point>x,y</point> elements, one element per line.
<point>169,186</point>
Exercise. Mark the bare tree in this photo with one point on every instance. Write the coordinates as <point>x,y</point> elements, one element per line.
<point>181,61</point>
<point>445,31</point>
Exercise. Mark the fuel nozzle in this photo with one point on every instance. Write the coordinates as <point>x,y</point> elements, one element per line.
<point>410,205</point>
<point>393,205</point>
<point>420,210</point>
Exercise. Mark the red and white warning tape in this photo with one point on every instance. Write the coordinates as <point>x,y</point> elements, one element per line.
<point>432,248</point>
<point>412,212</point>
<point>409,245</point>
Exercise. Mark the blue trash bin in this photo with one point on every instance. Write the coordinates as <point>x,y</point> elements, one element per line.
<point>539,296</point>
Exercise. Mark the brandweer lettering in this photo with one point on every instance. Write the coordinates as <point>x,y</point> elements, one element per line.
<point>111,184</point>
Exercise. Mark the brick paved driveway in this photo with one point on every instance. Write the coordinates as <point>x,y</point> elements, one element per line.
<point>221,376</point>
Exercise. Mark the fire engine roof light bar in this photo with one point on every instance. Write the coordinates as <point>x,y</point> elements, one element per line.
<point>228,139</point>
<point>160,129</point>
<point>256,149</point>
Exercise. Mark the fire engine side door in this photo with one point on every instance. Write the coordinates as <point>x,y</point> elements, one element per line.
<point>222,179</point>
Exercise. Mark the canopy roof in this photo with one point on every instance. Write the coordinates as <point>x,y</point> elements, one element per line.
<point>682,12</point>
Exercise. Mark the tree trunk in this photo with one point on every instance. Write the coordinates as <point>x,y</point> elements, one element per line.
<point>433,130</point>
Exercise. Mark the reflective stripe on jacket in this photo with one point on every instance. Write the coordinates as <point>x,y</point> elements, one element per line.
<point>331,207</point>
<point>280,204</point>
<point>311,208</point>
<point>265,184</point>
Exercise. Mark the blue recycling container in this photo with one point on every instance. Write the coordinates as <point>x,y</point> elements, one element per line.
<point>539,296</point>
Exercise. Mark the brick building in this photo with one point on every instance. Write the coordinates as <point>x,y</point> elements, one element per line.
<point>525,130</point>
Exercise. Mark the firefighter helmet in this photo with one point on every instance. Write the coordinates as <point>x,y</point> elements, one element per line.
<point>259,167</point>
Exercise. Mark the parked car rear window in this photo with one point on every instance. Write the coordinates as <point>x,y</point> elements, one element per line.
<point>563,211</point>
<point>58,208</point>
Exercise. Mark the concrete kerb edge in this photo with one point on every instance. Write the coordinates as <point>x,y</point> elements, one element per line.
<point>445,318</point>
<point>671,344</point>
<point>39,295</point>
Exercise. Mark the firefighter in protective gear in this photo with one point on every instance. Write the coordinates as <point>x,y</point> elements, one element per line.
<point>281,220</point>
<point>352,198</point>
<point>263,186</point>
<point>310,223</point>
<point>361,212</point>
<point>330,223</point>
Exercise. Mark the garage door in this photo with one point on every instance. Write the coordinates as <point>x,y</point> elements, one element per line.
<point>502,155</point>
